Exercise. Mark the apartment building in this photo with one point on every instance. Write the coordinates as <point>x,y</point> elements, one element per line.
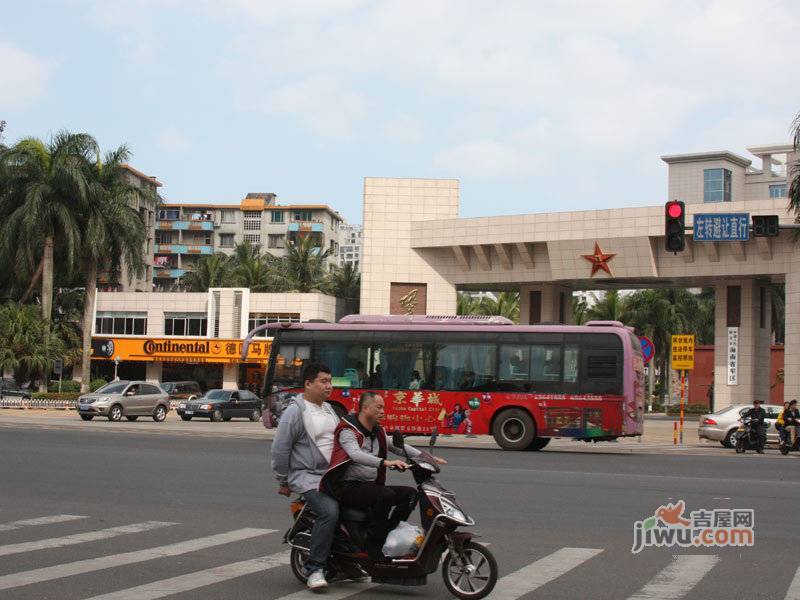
<point>187,231</point>
<point>148,216</point>
<point>350,250</point>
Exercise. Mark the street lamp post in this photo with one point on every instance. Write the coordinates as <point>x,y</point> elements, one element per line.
<point>116,364</point>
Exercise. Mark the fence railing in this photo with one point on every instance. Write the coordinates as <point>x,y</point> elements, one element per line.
<point>58,404</point>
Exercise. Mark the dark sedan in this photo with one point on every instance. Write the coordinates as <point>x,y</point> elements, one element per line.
<point>10,389</point>
<point>222,405</point>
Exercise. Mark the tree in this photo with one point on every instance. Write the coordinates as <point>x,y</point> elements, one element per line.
<point>794,171</point>
<point>345,283</point>
<point>209,272</point>
<point>114,234</point>
<point>254,270</point>
<point>504,304</point>
<point>609,307</point>
<point>467,304</point>
<point>304,266</point>
<point>43,190</point>
<point>580,309</point>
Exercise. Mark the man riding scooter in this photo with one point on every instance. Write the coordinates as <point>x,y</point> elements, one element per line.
<point>759,414</point>
<point>358,470</point>
<point>301,453</point>
<point>791,419</point>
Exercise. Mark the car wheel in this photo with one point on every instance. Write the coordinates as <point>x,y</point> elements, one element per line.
<point>730,439</point>
<point>87,417</point>
<point>514,429</point>
<point>255,415</point>
<point>160,413</point>
<point>131,417</point>
<point>115,413</point>
<point>186,417</point>
<point>216,416</point>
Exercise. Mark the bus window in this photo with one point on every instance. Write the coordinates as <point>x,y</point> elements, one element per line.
<point>464,367</point>
<point>514,363</point>
<point>347,354</point>
<point>570,366</point>
<point>546,363</point>
<point>404,363</point>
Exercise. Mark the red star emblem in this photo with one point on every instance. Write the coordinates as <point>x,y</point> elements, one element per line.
<point>599,260</point>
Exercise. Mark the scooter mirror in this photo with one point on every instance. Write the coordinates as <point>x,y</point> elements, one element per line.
<point>434,435</point>
<point>397,439</point>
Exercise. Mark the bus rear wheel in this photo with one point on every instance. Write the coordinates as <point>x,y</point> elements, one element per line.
<point>514,429</point>
<point>538,443</point>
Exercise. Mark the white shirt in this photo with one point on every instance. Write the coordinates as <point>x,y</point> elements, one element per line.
<point>320,424</point>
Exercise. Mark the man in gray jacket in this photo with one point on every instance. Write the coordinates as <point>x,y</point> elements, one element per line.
<point>301,453</point>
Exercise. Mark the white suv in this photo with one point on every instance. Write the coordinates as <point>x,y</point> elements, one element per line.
<point>131,399</point>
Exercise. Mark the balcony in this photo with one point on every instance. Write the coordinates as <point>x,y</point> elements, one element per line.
<point>183,249</point>
<point>306,227</point>
<point>169,273</point>
<point>186,225</point>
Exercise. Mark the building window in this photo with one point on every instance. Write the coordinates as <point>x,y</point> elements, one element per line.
<point>168,214</point>
<point>121,323</point>
<point>226,240</point>
<point>777,190</point>
<point>185,324</point>
<point>257,319</point>
<point>253,238</point>
<point>302,215</point>
<point>716,185</point>
<point>252,220</point>
<point>164,237</point>
<point>276,216</point>
<point>252,225</point>
<point>228,216</point>
<point>276,240</point>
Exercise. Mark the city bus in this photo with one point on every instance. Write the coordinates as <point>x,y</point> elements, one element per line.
<point>470,375</point>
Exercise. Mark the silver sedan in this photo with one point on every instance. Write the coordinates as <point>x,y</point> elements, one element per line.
<point>722,424</point>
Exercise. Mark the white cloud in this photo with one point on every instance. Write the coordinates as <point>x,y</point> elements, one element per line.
<point>319,103</point>
<point>172,140</point>
<point>23,77</point>
<point>404,129</point>
<point>487,159</point>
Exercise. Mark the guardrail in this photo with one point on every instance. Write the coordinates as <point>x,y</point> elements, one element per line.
<point>51,403</point>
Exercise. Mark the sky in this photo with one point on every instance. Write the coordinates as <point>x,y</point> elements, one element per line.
<point>534,106</point>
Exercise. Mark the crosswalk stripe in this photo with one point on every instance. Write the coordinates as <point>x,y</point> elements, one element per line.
<point>794,588</point>
<point>678,578</point>
<point>39,521</point>
<point>126,558</point>
<point>336,591</point>
<point>80,538</point>
<point>542,571</point>
<point>198,579</point>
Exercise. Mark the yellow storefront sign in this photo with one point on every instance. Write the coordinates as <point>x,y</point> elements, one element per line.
<point>192,350</point>
<point>682,352</point>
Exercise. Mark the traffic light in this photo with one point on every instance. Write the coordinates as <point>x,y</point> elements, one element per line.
<point>674,224</point>
<point>765,226</point>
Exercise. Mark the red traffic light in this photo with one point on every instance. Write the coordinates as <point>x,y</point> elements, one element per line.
<point>674,210</point>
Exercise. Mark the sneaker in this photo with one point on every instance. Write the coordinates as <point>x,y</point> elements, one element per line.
<point>316,581</point>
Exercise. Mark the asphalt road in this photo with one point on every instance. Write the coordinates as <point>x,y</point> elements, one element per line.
<point>572,512</point>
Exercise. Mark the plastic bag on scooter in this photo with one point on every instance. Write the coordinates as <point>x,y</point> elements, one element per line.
<point>403,540</point>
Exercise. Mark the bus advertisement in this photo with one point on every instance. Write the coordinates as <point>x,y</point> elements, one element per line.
<point>524,385</point>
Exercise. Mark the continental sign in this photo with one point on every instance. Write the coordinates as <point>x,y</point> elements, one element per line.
<point>198,350</point>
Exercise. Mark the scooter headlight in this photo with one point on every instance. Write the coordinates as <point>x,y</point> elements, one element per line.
<point>427,466</point>
<point>453,512</point>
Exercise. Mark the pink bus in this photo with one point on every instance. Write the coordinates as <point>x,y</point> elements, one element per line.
<point>472,375</point>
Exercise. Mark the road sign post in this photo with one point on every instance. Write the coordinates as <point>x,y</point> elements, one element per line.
<point>682,361</point>
<point>58,368</point>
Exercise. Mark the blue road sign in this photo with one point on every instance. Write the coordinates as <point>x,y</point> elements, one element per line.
<point>722,227</point>
<point>648,348</point>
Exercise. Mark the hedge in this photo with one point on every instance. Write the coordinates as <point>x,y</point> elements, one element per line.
<point>688,409</point>
<point>56,396</point>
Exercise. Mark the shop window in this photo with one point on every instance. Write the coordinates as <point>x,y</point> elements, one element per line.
<point>195,324</point>
<point>121,323</point>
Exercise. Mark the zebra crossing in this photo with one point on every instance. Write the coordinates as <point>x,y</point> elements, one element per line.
<point>674,581</point>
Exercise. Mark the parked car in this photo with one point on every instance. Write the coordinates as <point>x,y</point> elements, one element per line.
<point>182,391</point>
<point>222,405</point>
<point>11,389</point>
<point>129,399</point>
<point>722,424</point>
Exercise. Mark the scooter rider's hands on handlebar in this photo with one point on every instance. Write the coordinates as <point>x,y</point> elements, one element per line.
<point>284,491</point>
<point>441,461</point>
<point>396,465</point>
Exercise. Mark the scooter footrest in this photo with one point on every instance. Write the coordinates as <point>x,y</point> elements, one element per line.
<point>401,580</point>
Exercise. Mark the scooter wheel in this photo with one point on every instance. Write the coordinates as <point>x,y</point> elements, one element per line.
<point>473,580</point>
<point>739,448</point>
<point>784,449</point>
<point>297,558</point>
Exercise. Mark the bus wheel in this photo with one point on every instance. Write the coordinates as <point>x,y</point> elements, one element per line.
<point>514,429</point>
<point>538,443</point>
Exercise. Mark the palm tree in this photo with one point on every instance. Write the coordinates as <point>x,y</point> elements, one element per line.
<point>794,185</point>
<point>609,307</point>
<point>114,234</point>
<point>304,266</point>
<point>580,309</point>
<point>504,304</point>
<point>254,270</point>
<point>209,272</point>
<point>345,283</point>
<point>467,304</point>
<point>43,189</point>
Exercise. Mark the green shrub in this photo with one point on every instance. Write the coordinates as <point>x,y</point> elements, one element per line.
<point>67,385</point>
<point>56,396</point>
<point>688,409</point>
<point>97,384</point>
